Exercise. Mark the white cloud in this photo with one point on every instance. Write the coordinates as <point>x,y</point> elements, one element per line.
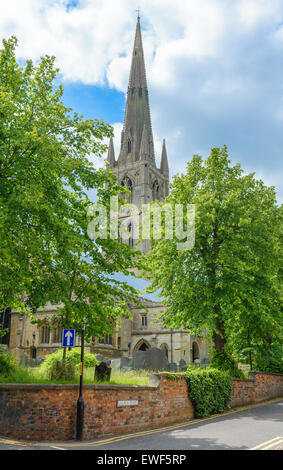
<point>214,68</point>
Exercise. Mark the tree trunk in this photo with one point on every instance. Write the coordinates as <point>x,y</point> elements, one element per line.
<point>219,336</point>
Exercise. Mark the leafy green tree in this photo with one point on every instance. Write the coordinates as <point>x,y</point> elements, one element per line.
<point>46,175</point>
<point>227,285</point>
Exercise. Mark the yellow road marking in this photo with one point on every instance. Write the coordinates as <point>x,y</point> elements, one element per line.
<point>267,444</point>
<point>113,439</point>
<point>15,443</point>
<point>273,444</point>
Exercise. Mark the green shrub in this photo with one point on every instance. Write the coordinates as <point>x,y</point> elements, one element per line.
<point>7,364</point>
<point>54,368</point>
<point>210,390</point>
<point>225,362</point>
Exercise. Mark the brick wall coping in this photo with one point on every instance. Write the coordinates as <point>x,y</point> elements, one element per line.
<point>265,373</point>
<point>238,379</point>
<point>153,384</point>
<point>254,373</point>
<point>39,386</point>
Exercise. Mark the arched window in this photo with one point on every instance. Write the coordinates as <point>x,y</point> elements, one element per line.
<point>33,352</point>
<point>45,334</point>
<point>166,349</point>
<point>130,239</point>
<point>155,191</point>
<point>140,91</point>
<point>195,351</point>
<point>129,146</point>
<point>142,345</point>
<point>129,185</point>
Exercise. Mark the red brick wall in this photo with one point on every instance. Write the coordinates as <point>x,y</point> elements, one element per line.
<point>242,392</point>
<point>35,411</point>
<point>259,387</point>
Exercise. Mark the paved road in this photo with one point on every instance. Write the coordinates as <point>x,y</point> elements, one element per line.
<point>259,427</point>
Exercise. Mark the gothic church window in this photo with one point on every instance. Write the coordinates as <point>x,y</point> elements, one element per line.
<point>57,335</point>
<point>130,239</point>
<point>142,345</point>
<point>144,320</point>
<point>155,191</point>
<point>45,334</point>
<point>129,185</point>
<point>129,146</point>
<point>107,339</point>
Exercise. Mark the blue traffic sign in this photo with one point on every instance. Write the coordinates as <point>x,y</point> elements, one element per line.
<point>68,338</point>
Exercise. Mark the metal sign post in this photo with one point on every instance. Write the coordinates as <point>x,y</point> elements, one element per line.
<point>80,402</point>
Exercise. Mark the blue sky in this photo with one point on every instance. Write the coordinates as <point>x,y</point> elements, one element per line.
<point>214,70</point>
<point>93,101</point>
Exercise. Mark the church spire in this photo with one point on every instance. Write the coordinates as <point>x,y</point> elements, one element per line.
<point>111,153</point>
<point>164,168</point>
<point>137,115</point>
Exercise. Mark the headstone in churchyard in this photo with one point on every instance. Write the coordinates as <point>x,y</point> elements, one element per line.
<point>116,363</point>
<point>107,361</point>
<point>173,367</point>
<point>182,365</point>
<point>102,372</point>
<point>139,358</point>
<point>24,360</point>
<point>99,357</point>
<point>126,362</point>
<point>152,359</point>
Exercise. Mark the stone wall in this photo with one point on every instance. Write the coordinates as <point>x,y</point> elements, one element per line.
<point>34,411</point>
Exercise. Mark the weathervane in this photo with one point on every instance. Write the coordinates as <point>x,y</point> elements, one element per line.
<point>138,12</point>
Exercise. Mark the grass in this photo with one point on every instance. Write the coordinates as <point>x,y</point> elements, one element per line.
<point>34,375</point>
<point>131,377</point>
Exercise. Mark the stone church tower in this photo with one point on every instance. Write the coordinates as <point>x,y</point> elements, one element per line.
<point>135,167</point>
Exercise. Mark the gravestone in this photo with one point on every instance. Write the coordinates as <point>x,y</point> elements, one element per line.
<point>24,360</point>
<point>99,357</point>
<point>102,372</point>
<point>152,359</point>
<point>173,367</point>
<point>183,365</point>
<point>116,364</point>
<point>124,363</point>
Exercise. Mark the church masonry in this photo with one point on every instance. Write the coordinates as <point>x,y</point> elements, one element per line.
<point>136,169</point>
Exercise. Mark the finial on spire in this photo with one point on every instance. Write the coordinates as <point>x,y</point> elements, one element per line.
<point>138,12</point>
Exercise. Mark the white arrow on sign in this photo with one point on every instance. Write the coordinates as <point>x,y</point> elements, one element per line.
<point>68,335</point>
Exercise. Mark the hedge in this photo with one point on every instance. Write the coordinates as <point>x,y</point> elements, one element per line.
<point>209,390</point>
